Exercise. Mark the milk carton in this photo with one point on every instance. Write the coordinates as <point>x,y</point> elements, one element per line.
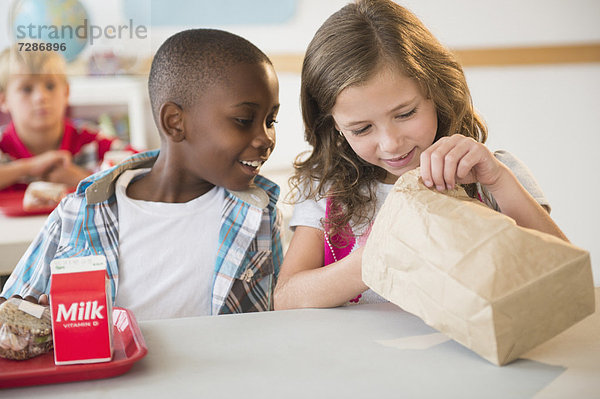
<point>81,303</point>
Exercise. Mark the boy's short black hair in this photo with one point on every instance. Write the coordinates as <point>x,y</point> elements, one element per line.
<point>189,62</point>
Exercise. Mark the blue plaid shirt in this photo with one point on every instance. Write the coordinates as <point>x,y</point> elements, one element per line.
<point>86,223</point>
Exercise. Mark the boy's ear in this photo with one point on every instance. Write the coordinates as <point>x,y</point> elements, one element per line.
<point>171,121</point>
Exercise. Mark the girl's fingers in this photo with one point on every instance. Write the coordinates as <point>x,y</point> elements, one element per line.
<point>459,162</point>
<point>437,170</point>
<point>438,152</point>
<point>465,167</point>
<point>426,169</point>
<point>448,161</point>
<point>451,161</point>
<point>457,159</point>
<point>430,165</point>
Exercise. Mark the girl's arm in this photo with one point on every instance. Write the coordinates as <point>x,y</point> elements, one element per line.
<point>304,283</point>
<point>462,160</point>
<point>516,202</point>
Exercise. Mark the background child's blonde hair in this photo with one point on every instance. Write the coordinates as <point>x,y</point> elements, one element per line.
<point>20,62</point>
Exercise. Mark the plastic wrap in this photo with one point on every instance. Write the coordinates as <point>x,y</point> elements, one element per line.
<point>43,195</point>
<point>25,329</point>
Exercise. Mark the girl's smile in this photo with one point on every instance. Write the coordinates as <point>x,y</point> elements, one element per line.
<point>400,161</point>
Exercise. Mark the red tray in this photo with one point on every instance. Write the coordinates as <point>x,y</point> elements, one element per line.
<point>11,204</point>
<point>129,347</point>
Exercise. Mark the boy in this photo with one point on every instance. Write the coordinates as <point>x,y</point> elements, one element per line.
<point>40,143</point>
<point>191,229</point>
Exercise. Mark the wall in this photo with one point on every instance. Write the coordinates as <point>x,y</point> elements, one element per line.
<point>545,114</point>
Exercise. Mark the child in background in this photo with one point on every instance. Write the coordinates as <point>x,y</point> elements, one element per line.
<point>40,143</point>
<point>191,229</point>
<point>381,96</point>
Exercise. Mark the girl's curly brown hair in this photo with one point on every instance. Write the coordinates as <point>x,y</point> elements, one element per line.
<point>347,50</point>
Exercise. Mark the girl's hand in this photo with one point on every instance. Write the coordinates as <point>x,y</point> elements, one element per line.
<point>458,159</point>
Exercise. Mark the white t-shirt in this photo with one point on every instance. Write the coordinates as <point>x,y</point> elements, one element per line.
<point>167,253</point>
<point>310,212</point>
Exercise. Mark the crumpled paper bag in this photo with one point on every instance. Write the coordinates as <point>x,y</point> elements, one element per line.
<point>472,273</point>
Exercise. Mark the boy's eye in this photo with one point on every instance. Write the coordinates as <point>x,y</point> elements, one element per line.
<point>271,123</point>
<point>244,121</point>
<point>27,89</point>
<point>50,85</point>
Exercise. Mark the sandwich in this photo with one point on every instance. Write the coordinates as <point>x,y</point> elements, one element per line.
<point>25,329</point>
<point>43,195</point>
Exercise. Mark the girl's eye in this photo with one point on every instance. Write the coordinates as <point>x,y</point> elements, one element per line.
<point>361,130</point>
<point>27,89</point>
<point>50,86</point>
<point>271,123</point>
<point>408,114</point>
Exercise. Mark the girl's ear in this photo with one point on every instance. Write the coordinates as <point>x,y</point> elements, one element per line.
<point>335,125</point>
<point>338,131</point>
<point>171,121</point>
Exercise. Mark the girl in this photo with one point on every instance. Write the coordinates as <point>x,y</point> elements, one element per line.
<point>381,96</point>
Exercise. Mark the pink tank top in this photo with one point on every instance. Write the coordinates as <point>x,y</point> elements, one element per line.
<point>333,246</point>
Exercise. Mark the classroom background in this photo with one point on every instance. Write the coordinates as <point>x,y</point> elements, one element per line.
<point>533,68</point>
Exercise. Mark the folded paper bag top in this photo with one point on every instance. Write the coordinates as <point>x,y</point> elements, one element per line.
<point>472,273</point>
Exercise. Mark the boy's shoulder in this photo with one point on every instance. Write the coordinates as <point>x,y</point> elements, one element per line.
<point>262,194</point>
<point>99,186</point>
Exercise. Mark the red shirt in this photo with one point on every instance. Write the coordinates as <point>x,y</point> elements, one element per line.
<point>85,144</point>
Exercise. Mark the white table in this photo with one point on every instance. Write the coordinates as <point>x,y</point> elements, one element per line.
<point>366,351</point>
<point>16,233</point>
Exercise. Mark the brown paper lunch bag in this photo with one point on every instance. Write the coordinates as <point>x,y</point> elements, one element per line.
<point>472,273</point>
